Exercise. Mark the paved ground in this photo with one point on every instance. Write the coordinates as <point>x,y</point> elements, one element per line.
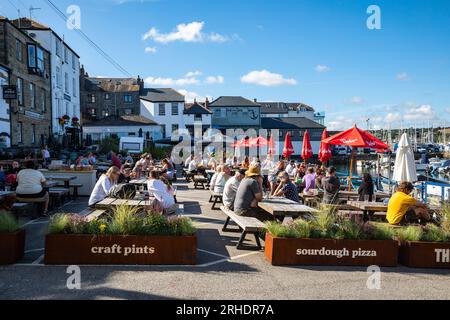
<point>222,273</point>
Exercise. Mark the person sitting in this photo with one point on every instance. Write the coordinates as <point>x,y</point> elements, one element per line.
<point>30,186</point>
<point>290,169</point>
<point>331,186</point>
<point>168,170</point>
<point>129,159</point>
<point>309,181</point>
<point>366,189</point>
<point>286,188</point>
<point>212,182</point>
<point>188,161</point>
<point>115,160</point>
<point>222,179</point>
<point>46,156</point>
<point>92,159</point>
<point>164,197</point>
<point>104,185</point>
<point>404,209</point>
<point>231,187</point>
<point>273,175</point>
<point>192,167</point>
<point>300,172</point>
<point>246,163</point>
<point>138,171</point>
<point>249,194</point>
<point>125,174</point>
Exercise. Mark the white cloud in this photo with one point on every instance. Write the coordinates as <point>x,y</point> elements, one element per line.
<point>170,82</point>
<point>267,79</point>
<point>215,80</point>
<point>322,68</point>
<point>402,76</point>
<point>190,96</point>
<point>190,32</point>
<point>357,100</point>
<point>191,74</point>
<point>340,123</point>
<point>150,50</point>
<point>418,113</point>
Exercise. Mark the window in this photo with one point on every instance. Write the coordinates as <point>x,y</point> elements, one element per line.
<point>174,128</point>
<point>67,108</point>
<point>35,58</point>
<point>20,91</point>
<point>198,117</point>
<point>107,96</point>
<point>58,47</point>
<point>66,82</point>
<point>74,87</point>
<point>217,112</point>
<point>31,56</point>
<point>19,50</point>
<point>93,112</point>
<point>128,112</point>
<point>40,59</point>
<point>42,100</point>
<point>19,132</point>
<point>32,96</point>
<point>58,77</point>
<point>91,98</point>
<point>74,64</point>
<point>174,109</point>
<point>162,109</point>
<point>127,98</point>
<point>105,113</point>
<point>33,133</point>
<point>66,55</point>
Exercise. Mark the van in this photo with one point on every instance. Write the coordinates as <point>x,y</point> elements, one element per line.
<point>341,151</point>
<point>132,145</point>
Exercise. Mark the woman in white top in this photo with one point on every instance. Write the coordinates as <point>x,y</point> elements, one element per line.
<point>222,179</point>
<point>161,192</point>
<point>212,183</point>
<point>30,185</point>
<point>104,185</point>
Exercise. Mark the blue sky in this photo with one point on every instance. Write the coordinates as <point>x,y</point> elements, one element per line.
<point>319,52</point>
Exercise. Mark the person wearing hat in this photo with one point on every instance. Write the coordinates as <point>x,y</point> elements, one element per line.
<point>249,193</point>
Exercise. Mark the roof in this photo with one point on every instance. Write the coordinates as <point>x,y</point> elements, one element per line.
<point>290,123</point>
<point>113,84</point>
<point>162,95</point>
<point>30,24</point>
<point>196,108</point>
<point>283,107</point>
<point>230,101</point>
<point>132,120</point>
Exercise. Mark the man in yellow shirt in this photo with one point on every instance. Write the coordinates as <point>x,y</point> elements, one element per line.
<point>403,208</point>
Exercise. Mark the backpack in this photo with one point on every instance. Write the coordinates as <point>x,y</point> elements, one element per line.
<point>123,191</point>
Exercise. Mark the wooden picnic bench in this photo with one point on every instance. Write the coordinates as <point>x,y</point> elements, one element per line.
<point>247,225</point>
<point>200,182</point>
<point>216,198</point>
<point>90,214</point>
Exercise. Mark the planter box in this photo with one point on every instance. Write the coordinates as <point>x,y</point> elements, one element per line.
<point>12,247</point>
<point>328,252</point>
<point>425,255</point>
<point>120,250</point>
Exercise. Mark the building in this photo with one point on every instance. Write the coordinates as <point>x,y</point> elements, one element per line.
<point>123,126</point>
<point>197,115</point>
<point>65,75</point>
<point>5,121</point>
<point>290,110</point>
<point>235,113</point>
<point>164,106</point>
<point>102,98</point>
<point>28,64</point>
<point>296,127</point>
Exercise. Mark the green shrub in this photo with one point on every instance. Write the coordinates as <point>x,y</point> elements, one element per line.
<point>303,228</point>
<point>109,144</point>
<point>433,233</point>
<point>124,221</point>
<point>411,233</point>
<point>445,217</point>
<point>8,223</point>
<point>383,232</point>
<point>350,230</point>
<point>59,224</point>
<point>323,224</point>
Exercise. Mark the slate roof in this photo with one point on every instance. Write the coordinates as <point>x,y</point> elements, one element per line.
<point>290,123</point>
<point>113,84</point>
<point>162,95</point>
<point>230,101</point>
<point>131,120</point>
<point>283,107</point>
<point>196,108</point>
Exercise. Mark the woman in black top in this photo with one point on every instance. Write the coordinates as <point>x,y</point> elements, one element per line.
<point>366,188</point>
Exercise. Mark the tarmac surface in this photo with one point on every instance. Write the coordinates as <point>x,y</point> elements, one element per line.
<point>222,273</point>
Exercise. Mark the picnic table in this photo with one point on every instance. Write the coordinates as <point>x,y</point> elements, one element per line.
<point>285,209</point>
<point>65,179</point>
<point>369,208</point>
<point>4,194</point>
<point>139,182</point>
<point>110,203</point>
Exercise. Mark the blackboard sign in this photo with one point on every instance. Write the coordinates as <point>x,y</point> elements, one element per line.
<point>9,92</point>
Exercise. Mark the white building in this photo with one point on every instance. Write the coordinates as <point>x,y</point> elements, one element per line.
<point>290,110</point>
<point>197,115</point>
<point>5,123</point>
<point>166,107</point>
<point>65,73</point>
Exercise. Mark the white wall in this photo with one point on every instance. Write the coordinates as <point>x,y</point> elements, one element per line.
<point>150,110</point>
<point>60,105</point>
<point>189,119</point>
<point>99,133</point>
<point>291,114</point>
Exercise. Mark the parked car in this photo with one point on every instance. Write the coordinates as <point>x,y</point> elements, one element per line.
<point>341,151</point>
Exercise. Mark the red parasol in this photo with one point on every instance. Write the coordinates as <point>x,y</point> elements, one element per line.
<point>288,149</point>
<point>241,143</point>
<point>258,142</point>
<point>356,138</point>
<point>325,150</point>
<point>306,147</point>
<point>271,144</point>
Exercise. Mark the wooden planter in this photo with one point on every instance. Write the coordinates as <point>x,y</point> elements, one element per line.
<point>12,247</point>
<point>120,250</point>
<point>425,255</point>
<point>328,252</point>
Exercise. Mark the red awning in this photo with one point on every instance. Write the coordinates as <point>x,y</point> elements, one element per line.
<point>356,138</point>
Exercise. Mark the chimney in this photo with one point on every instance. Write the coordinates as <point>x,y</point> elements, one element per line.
<point>255,100</point>
<point>141,84</point>
<point>206,103</point>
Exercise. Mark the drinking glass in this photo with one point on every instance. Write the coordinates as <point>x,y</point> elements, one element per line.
<point>366,198</point>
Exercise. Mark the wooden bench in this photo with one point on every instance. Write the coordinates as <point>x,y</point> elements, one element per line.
<point>90,214</point>
<point>57,196</point>
<point>200,182</point>
<point>23,209</point>
<point>216,198</point>
<point>351,214</point>
<point>75,188</point>
<point>246,225</point>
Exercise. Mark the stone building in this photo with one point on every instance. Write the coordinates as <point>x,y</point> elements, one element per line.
<point>29,71</point>
<point>109,97</point>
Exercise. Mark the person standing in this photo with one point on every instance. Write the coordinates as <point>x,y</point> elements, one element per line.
<point>46,156</point>
<point>366,189</point>
<point>331,186</point>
